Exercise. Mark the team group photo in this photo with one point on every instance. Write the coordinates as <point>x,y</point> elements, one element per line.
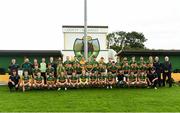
<point>89,56</point>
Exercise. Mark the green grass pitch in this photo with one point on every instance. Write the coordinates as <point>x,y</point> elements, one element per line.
<point>91,100</point>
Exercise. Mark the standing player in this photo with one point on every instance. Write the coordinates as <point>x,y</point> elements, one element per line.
<point>158,67</point>
<point>167,68</point>
<point>43,69</point>
<point>26,81</point>
<point>60,69</point>
<point>27,65</point>
<point>38,81</point>
<point>13,66</point>
<point>62,81</point>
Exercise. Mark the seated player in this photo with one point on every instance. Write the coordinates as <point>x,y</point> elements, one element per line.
<point>110,80</point>
<point>120,78</point>
<point>142,80</point>
<point>26,81</point>
<point>74,80</point>
<point>93,82</point>
<point>152,78</point>
<point>38,81</point>
<point>62,81</point>
<point>50,81</point>
<point>84,79</point>
<point>101,80</point>
<point>132,80</point>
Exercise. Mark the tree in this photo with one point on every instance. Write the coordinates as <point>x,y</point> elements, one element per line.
<point>129,41</point>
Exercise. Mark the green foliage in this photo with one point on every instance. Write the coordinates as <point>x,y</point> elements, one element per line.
<point>128,41</point>
<point>91,100</point>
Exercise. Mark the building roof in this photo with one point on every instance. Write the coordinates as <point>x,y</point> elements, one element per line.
<point>78,26</point>
<point>30,52</point>
<point>148,52</point>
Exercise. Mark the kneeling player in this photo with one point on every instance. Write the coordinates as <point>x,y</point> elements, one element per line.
<point>73,80</point>
<point>111,80</point>
<point>26,82</point>
<point>84,79</point>
<point>38,81</point>
<point>152,78</point>
<point>50,81</point>
<point>62,81</point>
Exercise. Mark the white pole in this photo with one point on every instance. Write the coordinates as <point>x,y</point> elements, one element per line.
<point>85,31</point>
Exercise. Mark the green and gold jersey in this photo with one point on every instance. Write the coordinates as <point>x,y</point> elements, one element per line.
<point>108,66</point>
<point>26,79</point>
<point>67,62</point>
<point>78,70</point>
<point>93,78</point>
<point>89,66</point>
<point>142,77</point>
<point>74,79</point>
<point>50,78</point>
<point>111,77</point>
<point>113,69</point>
<point>102,77</point>
<point>39,79</point>
<point>35,71</point>
<point>49,70</point>
<point>126,69</point>
<point>69,70</point>
<point>59,70</point>
<point>142,68</point>
<point>62,79</point>
<point>84,78</point>
<point>119,65</point>
<point>132,78</point>
<point>134,69</point>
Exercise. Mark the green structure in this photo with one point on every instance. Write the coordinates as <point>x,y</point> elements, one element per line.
<point>174,56</point>
<point>19,55</point>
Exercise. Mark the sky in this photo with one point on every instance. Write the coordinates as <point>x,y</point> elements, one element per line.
<point>37,24</point>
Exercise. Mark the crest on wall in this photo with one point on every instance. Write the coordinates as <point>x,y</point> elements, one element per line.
<point>93,47</point>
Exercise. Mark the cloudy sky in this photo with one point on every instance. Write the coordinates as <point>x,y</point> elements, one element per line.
<point>37,24</point>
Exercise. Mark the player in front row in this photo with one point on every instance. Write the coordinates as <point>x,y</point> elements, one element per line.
<point>26,81</point>
<point>84,79</point>
<point>73,80</point>
<point>38,81</point>
<point>50,81</point>
<point>62,82</point>
<point>110,80</point>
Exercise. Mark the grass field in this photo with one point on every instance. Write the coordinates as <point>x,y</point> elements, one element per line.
<point>91,100</point>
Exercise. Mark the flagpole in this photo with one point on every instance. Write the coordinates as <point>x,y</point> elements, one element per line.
<point>85,31</point>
